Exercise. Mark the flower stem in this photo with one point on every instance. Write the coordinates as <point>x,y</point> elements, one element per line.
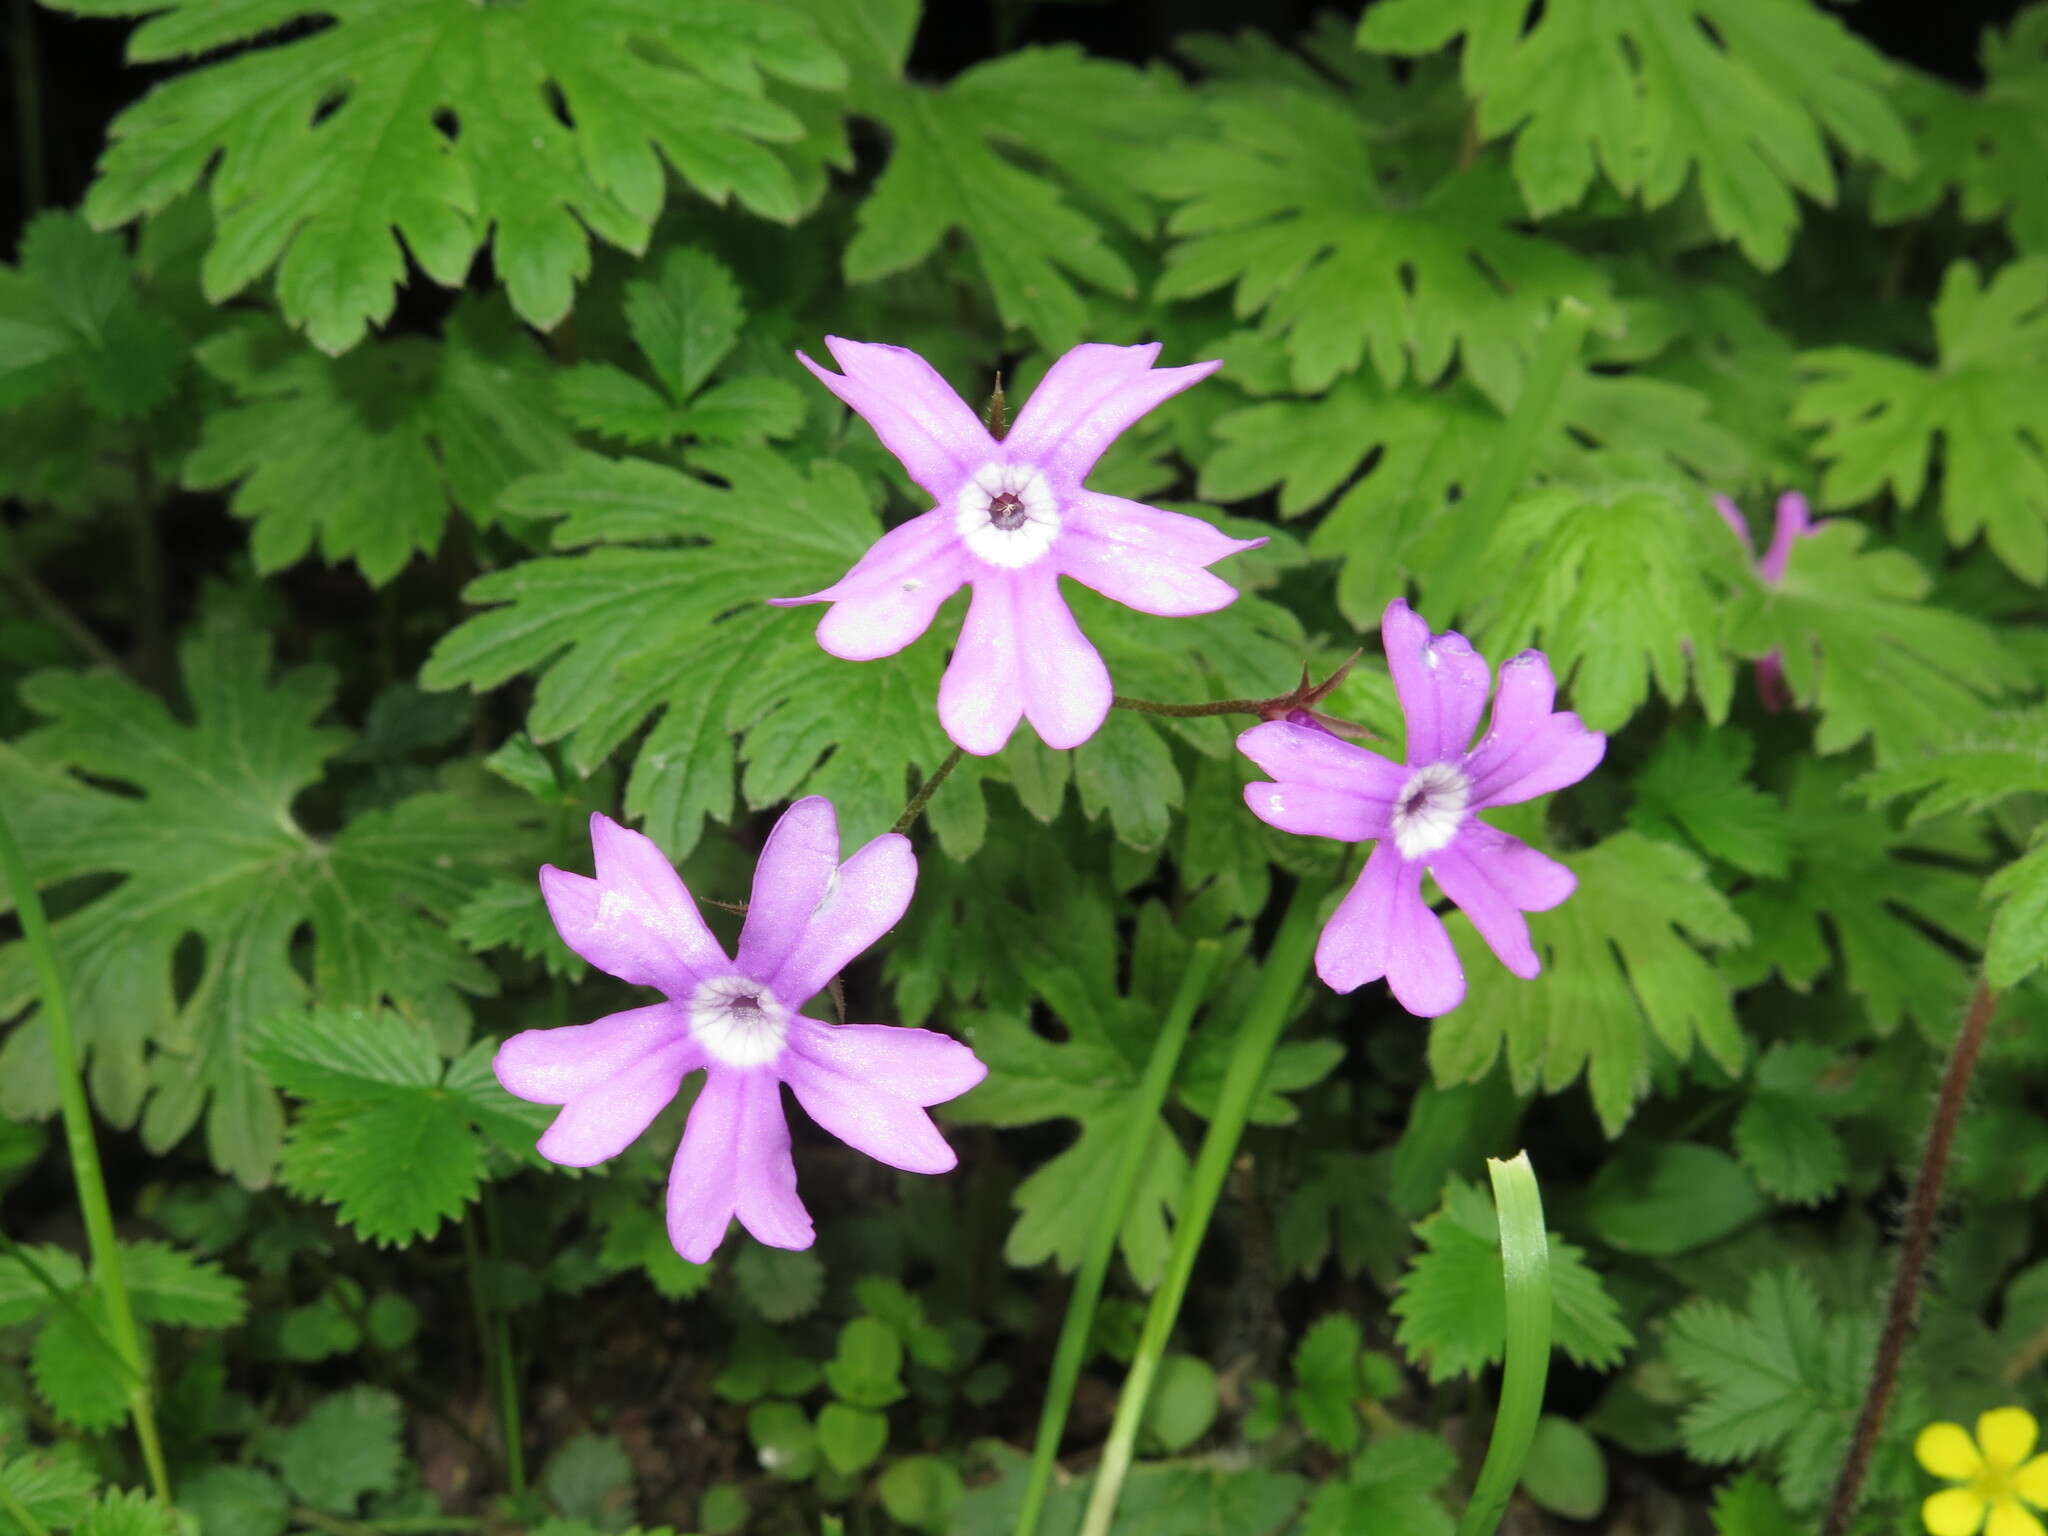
<point>1072,1350</point>
<point>1468,528</point>
<point>926,790</point>
<point>1525,1273</point>
<point>1280,982</point>
<point>86,1176</point>
<point>1915,1243</point>
<point>1219,707</point>
<point>494,1338</point>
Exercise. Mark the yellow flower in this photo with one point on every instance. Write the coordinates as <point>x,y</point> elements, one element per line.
<point>1998,1479</point>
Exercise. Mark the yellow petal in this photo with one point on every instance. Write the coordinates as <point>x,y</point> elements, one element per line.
<point>1947,1450</point>
<point>2007,1436</point>
<point>1953,1512</point>
<point>2008,1519</point>
<point>2030,1482</point>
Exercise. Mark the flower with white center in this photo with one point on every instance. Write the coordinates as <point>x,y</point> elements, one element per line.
<point>1011,518</point>
<point>738,1018</point>
<point>1422,814</point>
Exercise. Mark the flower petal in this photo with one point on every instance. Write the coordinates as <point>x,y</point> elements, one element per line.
<point>734,1161</point>
<point>1383,928</point>
<point>791,878</point>
<point>2030,1482</point>
<point>1494,879</point>
<point>1309,810</point>
<point>1086,401</point>
<point>933,432</point>
<point>920,1065</point>
<point>603,1121</point>
<point>1947,1451</point>
<point>1793,524</point>
<point>1528,750</point>
<point>1306,754</point>
<point>1066,686</point>
<point>1441,681</point>
<point>873,889</point>
<point>1953,1512</point>
<point>1145,558</point>
<point>636,920</point>
<point>2009,1518</point>
<point>981,697</point>
<point>2006,1436</point>
<point>866,1116</point>
<point>887,600</point>
<point>553,1066</point>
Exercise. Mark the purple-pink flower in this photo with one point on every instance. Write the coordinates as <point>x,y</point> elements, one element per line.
<point>1012,517</point>
<point>737,1018</point>
<point>1423,813</point>
<point>1793,524</point>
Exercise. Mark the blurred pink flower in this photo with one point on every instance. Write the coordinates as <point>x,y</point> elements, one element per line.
<point>1793,524</point>
<point>737,1019</point>
<point>1422,813</point>
<point>1011,518</point>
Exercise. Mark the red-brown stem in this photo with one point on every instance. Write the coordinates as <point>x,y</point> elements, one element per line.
<point>1219,707</point>
<point>1914,1245</point>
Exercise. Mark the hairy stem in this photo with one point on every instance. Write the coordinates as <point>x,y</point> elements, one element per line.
<point>1071,1352</point>
<point>926,790</point>
<point>1285,969</point>
<point>86,1177</point>
<point>1219,707</point>
<point>1915,1243</point>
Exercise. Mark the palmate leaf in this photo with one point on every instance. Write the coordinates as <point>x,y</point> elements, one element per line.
<point>1620,964</point>
<point>201,841</point>
<point>434,121</point>
<point>74,315</point>
<point>1282,199</point>
<point>366,454</point>
<point>1743,94</point>
<point>1985,401</point>
<point>1863,647</point>
<point>1695,791</point>
<point>966,157</point>
<point>2006,754</point>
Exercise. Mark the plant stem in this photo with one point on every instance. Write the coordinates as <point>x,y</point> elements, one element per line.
<point>1286,967</point>
<point>86,1176</point>
<point>1525,1272</point>
<point>1219,707</point>
<point>1468,527</point>
<point>28,110</point>
<point>926,790</point>
<point>61,618</point>
<point>1915,1243</point>
<point>18,1512</point>
<point>494,1339</point>
<point>1072,1350</point>
<point>64,1302</point>
<point>403,1525</point>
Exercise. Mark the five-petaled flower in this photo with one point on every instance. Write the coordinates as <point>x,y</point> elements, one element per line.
<point>1422,813</point>
<point>1011,518</point>
<point>738,1019</point>
<point>1793,524</point>
<point>1998,1471</point>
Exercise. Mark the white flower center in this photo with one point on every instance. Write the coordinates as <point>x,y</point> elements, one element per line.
<point>739,1022</point>
<point>1007,514</point>
<point>1430,809</point>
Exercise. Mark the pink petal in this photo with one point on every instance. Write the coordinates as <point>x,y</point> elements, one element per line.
<point>1732,516</point>
<point>1145,558</point>
<point>734,1161</point>
<point>931,430</point>
<point>1441,681</point>
<point>1494,879</point>
<point>872,892</point>
<point>636,920</point>
<point>1793,524</point>
<point>887,600</point>
<point>1066,686</point>
<point>981,697</point>
<point>1308,754</point>
<point>791,877</point>
<point>1533,881</point>
<point>868,1118</point>
<point>1308,810</point>
<point>553,1066</point>
<point>1528,750</point>
<point>603,1121</point>
<point>920,1065</point>
<point>1383,928</point>
<point>1087,400</point>
<point>1770,682</point>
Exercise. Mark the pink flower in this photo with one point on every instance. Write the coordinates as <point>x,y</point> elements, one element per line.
<point>1793,524</point>
<point>737,1019</point>
<point>1423,813</point>
<point>1012,517</point>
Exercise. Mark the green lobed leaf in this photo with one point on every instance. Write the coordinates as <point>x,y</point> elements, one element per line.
<point>1695,791</point>
<point>344,1449</point>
